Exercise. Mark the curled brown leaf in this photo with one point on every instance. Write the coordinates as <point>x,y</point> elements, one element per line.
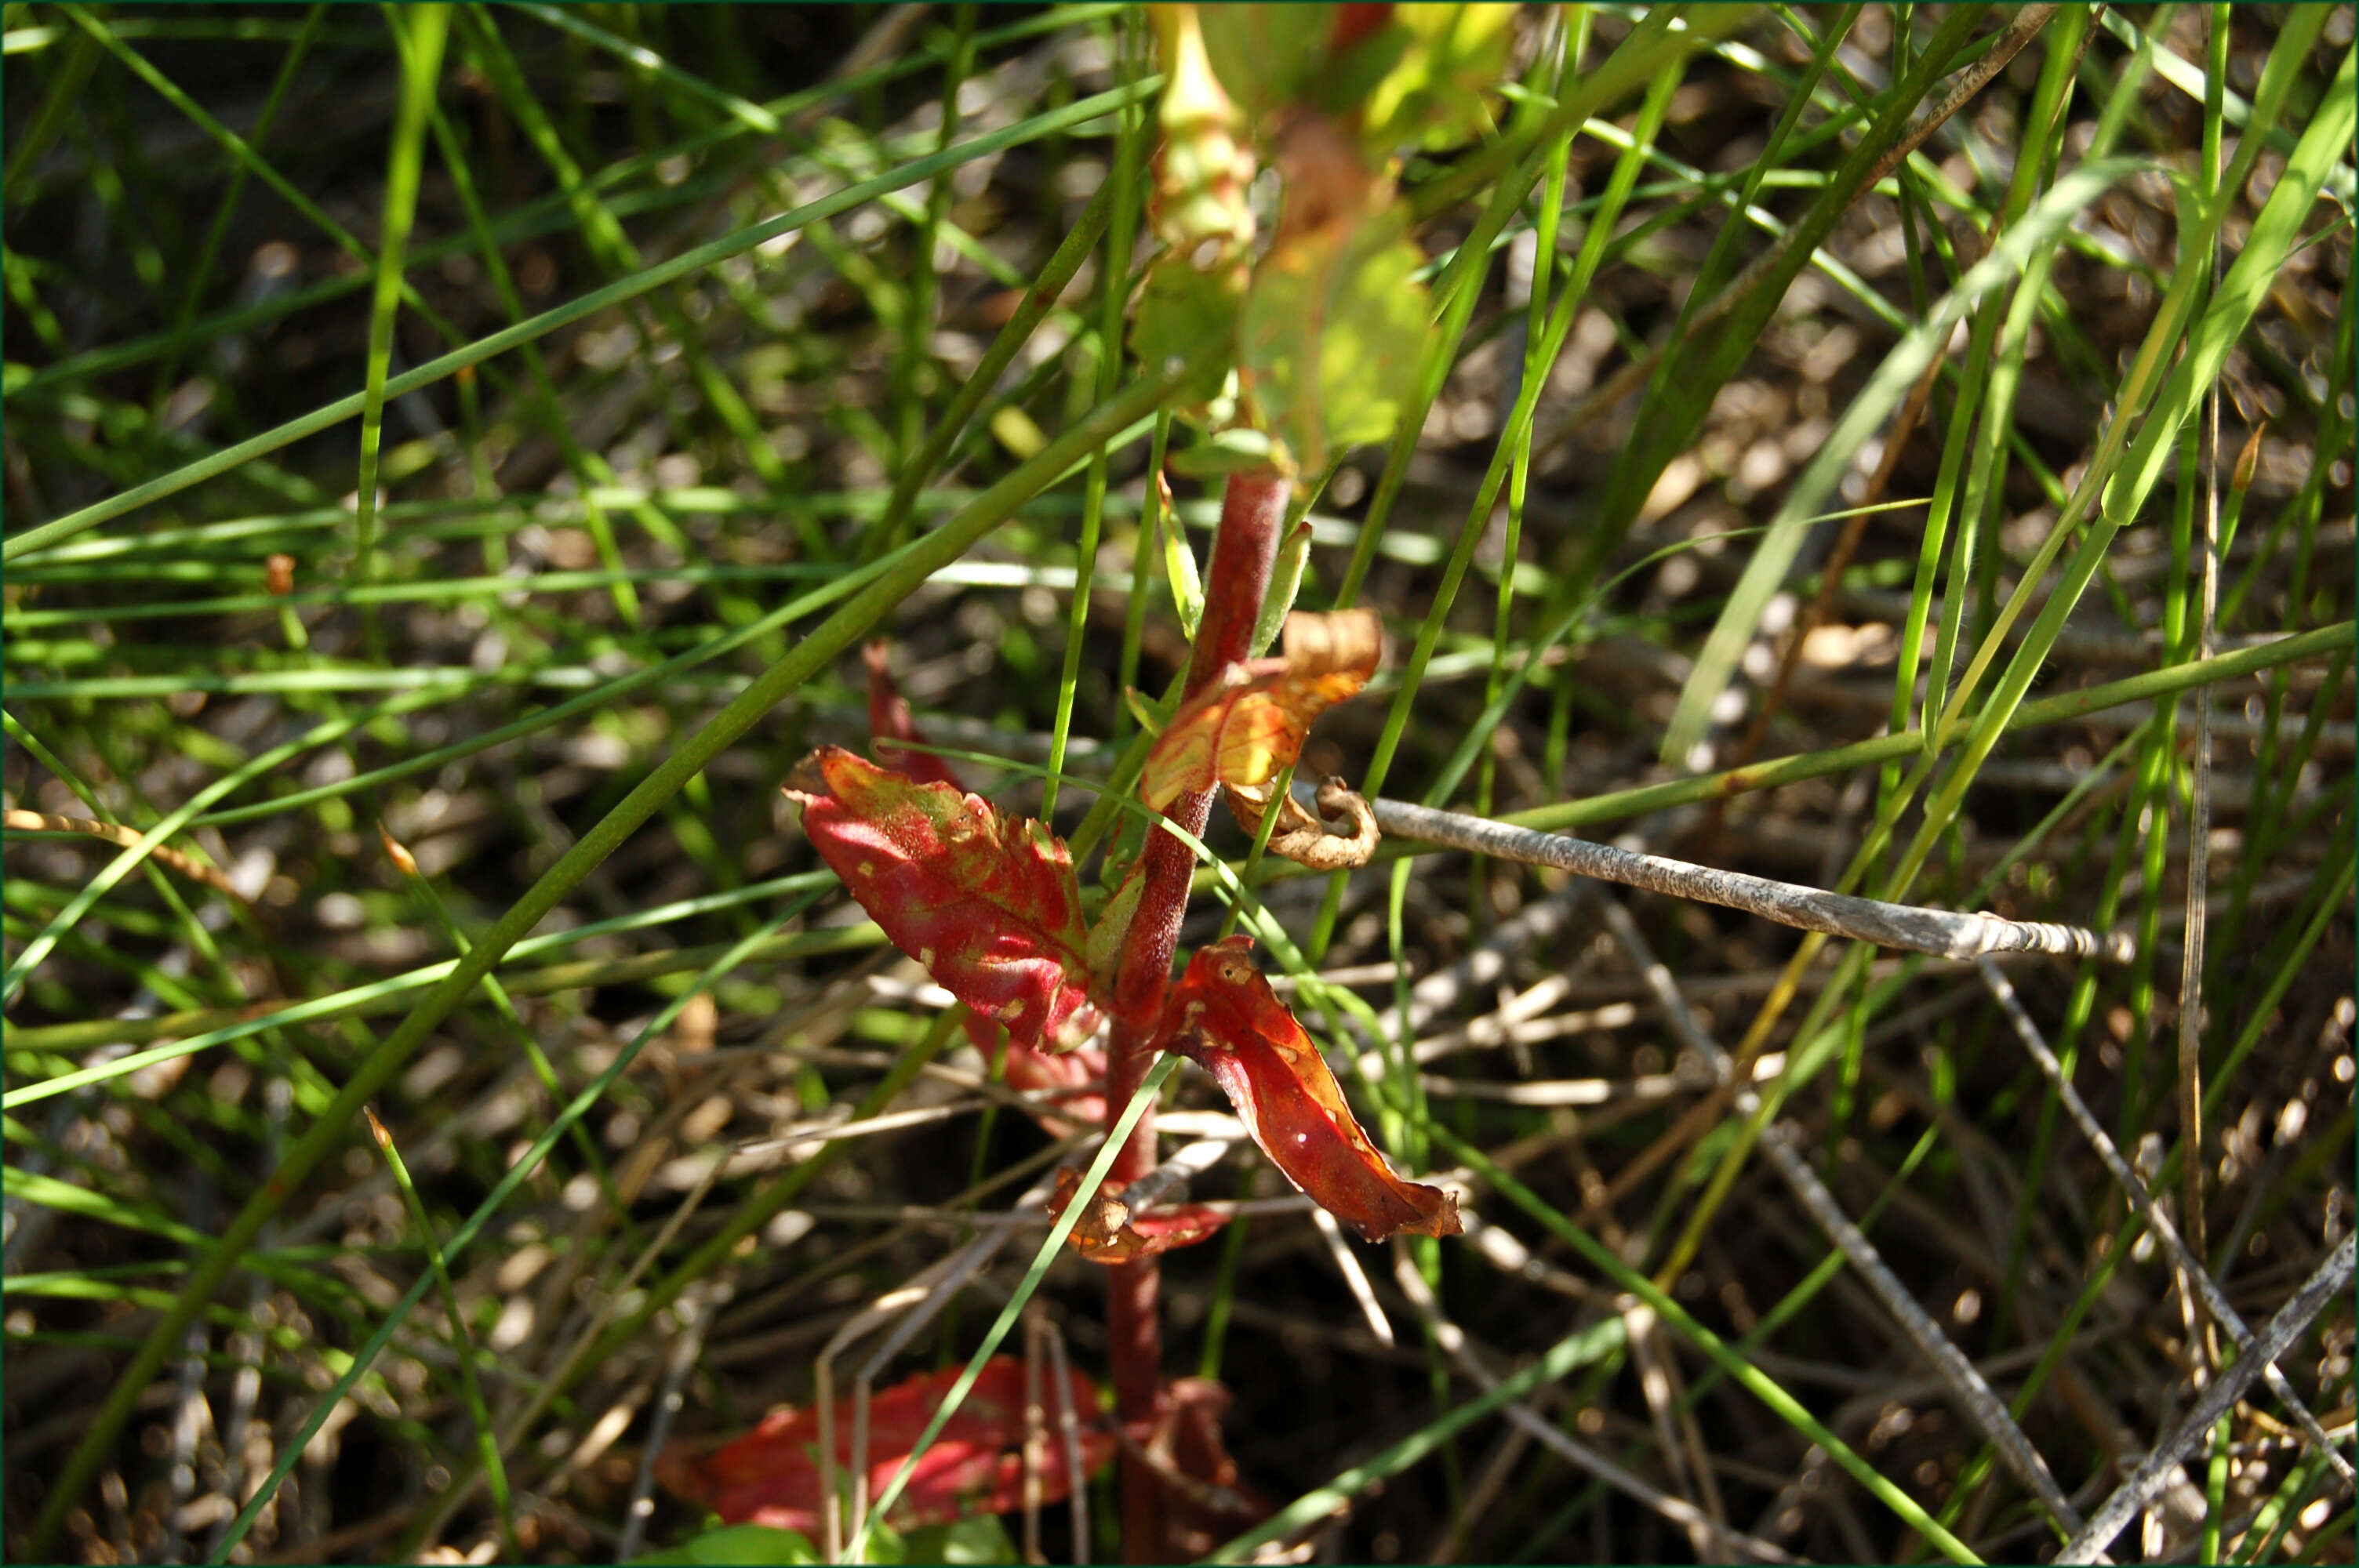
<point>1108,1233</point>
<point>1347,836</point>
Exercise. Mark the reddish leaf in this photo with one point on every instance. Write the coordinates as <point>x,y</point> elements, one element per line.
<point>1064,1077</point>
<point>1224,1017</point>
<point>1108,1233</point>
<point>987,904</point>
<point>1243,732</point>
<point>1205,1501</point>
<point>1074,1080</point>
<point>889,720</point>
<point>771,1475</point>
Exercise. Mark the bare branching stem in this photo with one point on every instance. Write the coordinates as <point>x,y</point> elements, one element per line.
<point>1964,1381</point>
<point>2190,1264</point>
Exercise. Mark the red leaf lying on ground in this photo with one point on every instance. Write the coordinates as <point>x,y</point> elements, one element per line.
<point>1243,732</point>
<point>1224,1017</point>
<point>1109,1233</point>
<point>989,905</point>
<point>770,1476</point>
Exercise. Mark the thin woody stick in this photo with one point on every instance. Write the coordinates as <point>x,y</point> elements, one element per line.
<point>2330,1282</point>
<point>1960,1376</point>
<point>2156,1221</point>
<point>1943,933</point>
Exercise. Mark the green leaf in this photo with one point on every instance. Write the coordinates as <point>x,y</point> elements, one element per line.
<point>1335,329</point>
<point>1104,951</point>
<point>748,1543</point>
<point>1435,96</point>
<point>1267,56</point>
<point>1181,308</point>
<point>981,1540</point>
<point>1180,567</point>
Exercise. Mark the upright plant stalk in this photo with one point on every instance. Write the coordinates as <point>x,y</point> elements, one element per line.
<point>1253,513</point>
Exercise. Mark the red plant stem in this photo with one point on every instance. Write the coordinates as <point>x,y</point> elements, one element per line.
<point>1253,513</point>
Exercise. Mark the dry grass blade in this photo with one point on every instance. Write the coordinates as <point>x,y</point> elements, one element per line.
<point>1721,1541</point>
<point>1356,1278</point>
<point>911,1306</point>
<point>693,1314</point>
<point>116,833</point>
<point>1068,1427</point>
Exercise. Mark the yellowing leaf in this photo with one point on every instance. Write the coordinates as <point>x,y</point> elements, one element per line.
<point>1181,308</point>
<point>1434,94</point>
<point>1334,326</point>
<point>1243,732</point>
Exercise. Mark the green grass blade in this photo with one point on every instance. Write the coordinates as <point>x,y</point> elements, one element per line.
<point>686,264</point>
<point>1716,665</point>
<point>421,33</point>
<point>470,1387</point>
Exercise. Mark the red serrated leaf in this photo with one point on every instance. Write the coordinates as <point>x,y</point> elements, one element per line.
<point>771,1475</point>
<point>1224,1017</point>
<point>1066,1077</point>
<point>889,721</point>
<point>1243,732</point>
<point>987,904</point>
<point>1109,1233</point>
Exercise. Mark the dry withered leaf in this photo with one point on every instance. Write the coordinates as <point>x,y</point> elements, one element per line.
<point>1242,731</point>
<point>1108,1232</point>
<point>1304,839</point>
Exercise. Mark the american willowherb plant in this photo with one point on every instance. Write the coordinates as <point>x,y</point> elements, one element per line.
<point>1324,326</point>
<point>1314,282</point>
